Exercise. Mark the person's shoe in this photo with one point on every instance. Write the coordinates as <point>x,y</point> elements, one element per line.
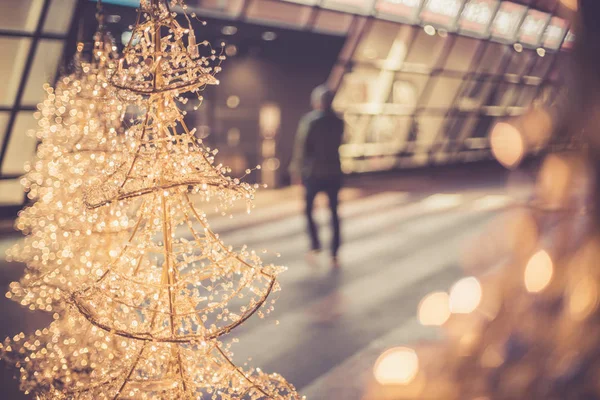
<point>335,263</point>
<point>312,257</point>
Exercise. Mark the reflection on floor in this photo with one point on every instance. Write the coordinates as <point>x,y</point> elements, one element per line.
<point>403,237</point>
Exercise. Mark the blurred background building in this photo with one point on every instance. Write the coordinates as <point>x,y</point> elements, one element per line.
<point>420,82</point>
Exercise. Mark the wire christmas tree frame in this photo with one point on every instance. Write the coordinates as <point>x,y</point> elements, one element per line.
<point>143,322</point>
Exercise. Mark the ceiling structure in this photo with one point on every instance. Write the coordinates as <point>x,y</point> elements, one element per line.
<point>436,88</point>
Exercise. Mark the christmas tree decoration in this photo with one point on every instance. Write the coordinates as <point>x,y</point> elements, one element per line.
<point>175,287</point>
<point>143,320</point>
<point>165,284</point>
<point>80,122</point>
<point>73,359</point>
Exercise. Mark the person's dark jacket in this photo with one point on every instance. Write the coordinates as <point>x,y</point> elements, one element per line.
<point>316,149</point>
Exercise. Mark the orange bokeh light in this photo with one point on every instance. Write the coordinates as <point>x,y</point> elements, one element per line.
<point>397,366</point>
<point>434,309</point>
<point>507,144</point>
<point>538,272</point>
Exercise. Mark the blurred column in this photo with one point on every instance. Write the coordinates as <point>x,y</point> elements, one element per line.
<point>269,123</point>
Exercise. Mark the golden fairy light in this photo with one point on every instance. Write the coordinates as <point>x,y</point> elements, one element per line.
<point>507,143</point>
<point>73,359</point>
<point>144,322</point>
<point>465,296</point>
<point>78,129</point>
<point>397,366</point>
<point>538,272</point>
<point>193,284</point>
<point>583,297</point>
<point>434,309</point>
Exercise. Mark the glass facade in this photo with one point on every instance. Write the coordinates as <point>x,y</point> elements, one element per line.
<point>418,81</point>
<point>428,93</point>
<point>32,38</point>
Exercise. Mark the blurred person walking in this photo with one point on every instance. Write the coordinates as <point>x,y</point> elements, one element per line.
<point>316,164</point>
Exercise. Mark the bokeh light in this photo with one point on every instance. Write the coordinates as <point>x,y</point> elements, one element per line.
<point>269,36</point>
<point>434,309</point>
<point>233,101</point>
<point>554,181</point>
<point>538,272</point>
<point>229,30</point>
<point>537,127</point>
<point>583,299</point>
<point>397,366</point>
<point>465,296</point>
<point>231,50</point>
<point>507,144</point>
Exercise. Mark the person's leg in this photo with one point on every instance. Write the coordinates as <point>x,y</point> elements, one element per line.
<point>311,191</point>
<point>333,194</point>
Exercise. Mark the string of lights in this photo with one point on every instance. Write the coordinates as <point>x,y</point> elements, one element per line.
<point>145,308</point>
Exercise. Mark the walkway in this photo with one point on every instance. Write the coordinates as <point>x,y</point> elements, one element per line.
<point>403,237</point>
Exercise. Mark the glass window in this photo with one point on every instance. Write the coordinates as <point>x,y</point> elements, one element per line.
<point>520,63</point>
<point>226,7</point>
<point>477,16</point>
<point>483,126</point>
<point>14,55</point>
<point>356,125</point>
<point>279,12</point>
<point>334,22</point>
<point>43,70</point>
<point>542,65</point>
<point>504,95</point>
<point>59,16</point>
<point>403,11</point>
<point>4,116</point>
<point>533,27</point>
<point>11,193</point>
<point>462,54</point>
<point>442,13</point>
<point>21,146</point>
<point>429,126</point>
<point>380,39</point>
<point>407,89</point>
<point>426,50</point>
<point>307,2</point>
<point>507,21</point>
<point>20,15</point>
<point>444,92</point>
<point>461,128</point>
<point>555,33</point>
<point>475,93</point>
<point>363,85</point>
<point>452,128</point>
<point>353,6</point>
<point>388,129</point>
<point>528,94</point>
<point>492,59</point>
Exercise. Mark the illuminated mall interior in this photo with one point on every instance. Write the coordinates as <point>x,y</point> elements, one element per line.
<point>299,199</point>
